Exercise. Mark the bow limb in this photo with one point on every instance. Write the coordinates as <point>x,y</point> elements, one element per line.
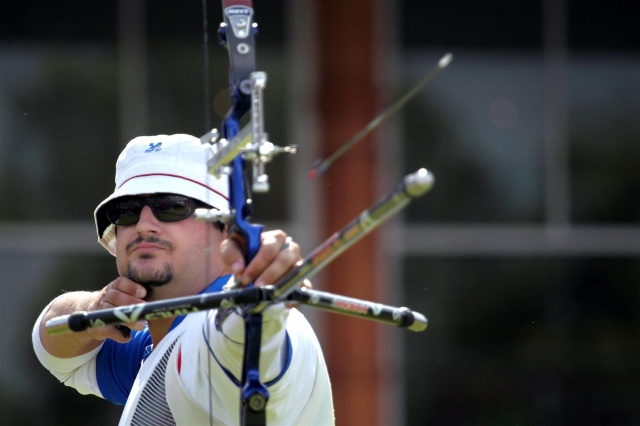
<point>237,34</point>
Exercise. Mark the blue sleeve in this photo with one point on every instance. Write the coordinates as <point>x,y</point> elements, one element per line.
<point>117,366</point>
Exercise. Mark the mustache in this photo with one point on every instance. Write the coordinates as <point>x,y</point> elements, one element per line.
<point>150,240</point>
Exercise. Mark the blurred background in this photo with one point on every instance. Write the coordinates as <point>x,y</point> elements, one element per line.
<point>525,256</point>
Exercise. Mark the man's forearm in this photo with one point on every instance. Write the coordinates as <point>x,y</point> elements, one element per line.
<point>71,344</point>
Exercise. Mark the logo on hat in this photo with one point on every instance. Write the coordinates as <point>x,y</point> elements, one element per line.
<point>153,147</point>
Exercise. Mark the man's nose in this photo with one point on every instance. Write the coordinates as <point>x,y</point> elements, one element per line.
<point>147,221</point>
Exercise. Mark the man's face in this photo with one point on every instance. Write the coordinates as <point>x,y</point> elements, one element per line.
<point>171,258</point>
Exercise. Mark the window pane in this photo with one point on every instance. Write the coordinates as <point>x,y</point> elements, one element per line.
<point>523,341</point>
<point>58,110</point>
<point>605,138</point>
<point>478,127</point>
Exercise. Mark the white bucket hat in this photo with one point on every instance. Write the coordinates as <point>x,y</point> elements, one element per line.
<point>175,164</point>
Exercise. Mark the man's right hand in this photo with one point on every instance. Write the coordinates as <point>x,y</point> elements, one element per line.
<point>119,292</point>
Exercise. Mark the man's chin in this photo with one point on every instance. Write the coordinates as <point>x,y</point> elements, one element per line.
<point>150,277</point>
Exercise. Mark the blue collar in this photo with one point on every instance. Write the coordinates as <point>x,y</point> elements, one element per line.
<point>214,287</point>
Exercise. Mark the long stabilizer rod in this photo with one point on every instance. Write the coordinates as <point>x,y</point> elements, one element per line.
<point>412,186</point>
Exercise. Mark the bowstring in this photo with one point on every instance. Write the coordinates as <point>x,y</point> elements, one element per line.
<point>205,46</point>
<point>207,120</point>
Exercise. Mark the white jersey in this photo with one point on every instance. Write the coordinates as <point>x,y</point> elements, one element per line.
<point>192,376</point>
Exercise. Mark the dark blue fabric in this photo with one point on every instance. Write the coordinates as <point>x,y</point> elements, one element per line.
<point>117,364</point>
<point>285,362</point>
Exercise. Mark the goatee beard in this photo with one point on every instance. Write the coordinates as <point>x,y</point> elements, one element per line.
<point>150,279</point>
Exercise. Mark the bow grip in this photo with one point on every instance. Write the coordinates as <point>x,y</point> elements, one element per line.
<point>243,232</point>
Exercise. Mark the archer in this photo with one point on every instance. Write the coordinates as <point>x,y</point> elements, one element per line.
<point>183,370</point>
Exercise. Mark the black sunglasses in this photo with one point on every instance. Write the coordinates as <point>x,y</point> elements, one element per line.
<point>126,211</point>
